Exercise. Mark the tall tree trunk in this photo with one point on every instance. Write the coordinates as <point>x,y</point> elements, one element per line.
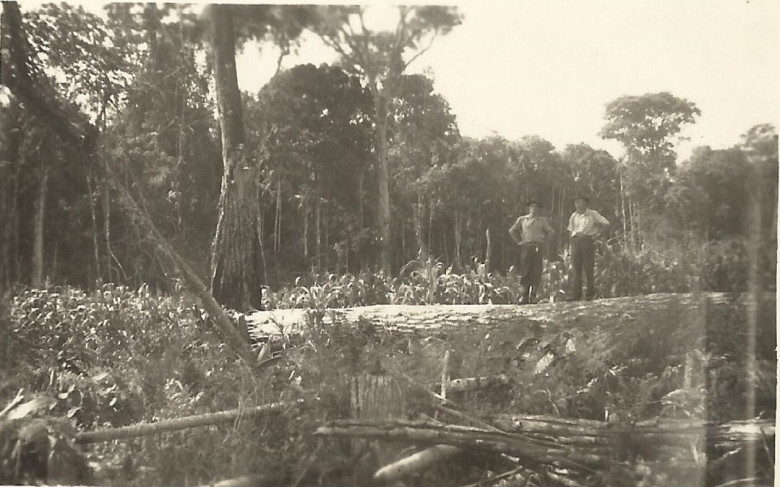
<point>260,221</point>
<point>95,243</point>
<point>623,209</point>
<point>430,224</point>
<point>306,231</point>
<point>458,231</point>
<point>383,178</point>
<point>278,217</point>
<point>10,146</point>
<point>318,215</point>
<point>39,228</point>
<point>488,250</point>
<point>422,249</point>
<point>107,229</point>
<point>361,211</point>
<point>234,256</point>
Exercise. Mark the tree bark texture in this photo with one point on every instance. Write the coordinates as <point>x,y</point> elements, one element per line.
<point>433,318</point>
<point>383,179</point>
<point>38,263</point>
<point>377,397</point>
<point>419,212</point>
<point>235,279</point>
<point>9,151</point>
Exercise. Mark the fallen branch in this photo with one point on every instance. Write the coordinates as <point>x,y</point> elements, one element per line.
<point>255,480</point>
<point>467,418</point>
<point>669,431</point>
<point>475,383</point>
<point>147,429</point>
<point>442,402</point>
<point>495,478</point>
<point>564,442</point>
<point>463,437</point>
<point>416,463</point>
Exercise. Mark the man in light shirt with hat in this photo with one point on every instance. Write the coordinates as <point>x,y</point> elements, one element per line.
<point>585,225</point>
<point>531,232</point>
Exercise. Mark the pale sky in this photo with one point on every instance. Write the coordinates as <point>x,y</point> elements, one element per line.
<point>548,68</point>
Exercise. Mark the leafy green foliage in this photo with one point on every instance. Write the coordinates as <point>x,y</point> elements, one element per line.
<point>139,356</point>
<point>718,267</point>
<point>646,124</point>
<point>78,54</point>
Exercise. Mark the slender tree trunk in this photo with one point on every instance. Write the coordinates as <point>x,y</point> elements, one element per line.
<point>327,234</point>
<point>623,210</point>
<point>361,210</point>
<point>260,228</point>
<point>107,229</point>
<point>234,266</point>
<point>95,243</point>
<point>458,231</point>
<point>422,249</point>
<point>318,215</point>
<point>636,221</point>
<point>383,178</point>
<point>15,215</point>
<point>488,250</point>
<point>5,229</point>
<point>443,234</point>
<point>10,151</point>
<point>402,229</point>
<point>430,223</point>
<point>278,217</point>
<point>306,231</point>
<point>39,230</point>
<point>347,240</point>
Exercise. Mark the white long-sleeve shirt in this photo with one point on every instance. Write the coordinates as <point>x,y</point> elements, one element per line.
<point>586,223</point>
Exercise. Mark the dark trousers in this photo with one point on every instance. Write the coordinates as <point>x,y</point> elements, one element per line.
<point>530,271</point>
<point>583,257</point>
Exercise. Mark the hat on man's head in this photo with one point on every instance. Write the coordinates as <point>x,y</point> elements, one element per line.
<point>534,202</point>
<point>582,197</point>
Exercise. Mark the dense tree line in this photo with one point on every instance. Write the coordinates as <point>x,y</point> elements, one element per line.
<point>333,168</point>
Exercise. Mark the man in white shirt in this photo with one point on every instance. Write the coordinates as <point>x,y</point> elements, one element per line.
<point>584,226</point>
<point>531,232</point>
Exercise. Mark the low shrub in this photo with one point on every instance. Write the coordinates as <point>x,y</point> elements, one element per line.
<point>719,266</point>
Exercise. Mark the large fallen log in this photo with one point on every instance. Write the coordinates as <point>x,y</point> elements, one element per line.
<point>148,429</point>
<point>433,318</point>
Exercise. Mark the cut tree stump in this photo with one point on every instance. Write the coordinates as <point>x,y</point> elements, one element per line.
<point>376,396</point>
